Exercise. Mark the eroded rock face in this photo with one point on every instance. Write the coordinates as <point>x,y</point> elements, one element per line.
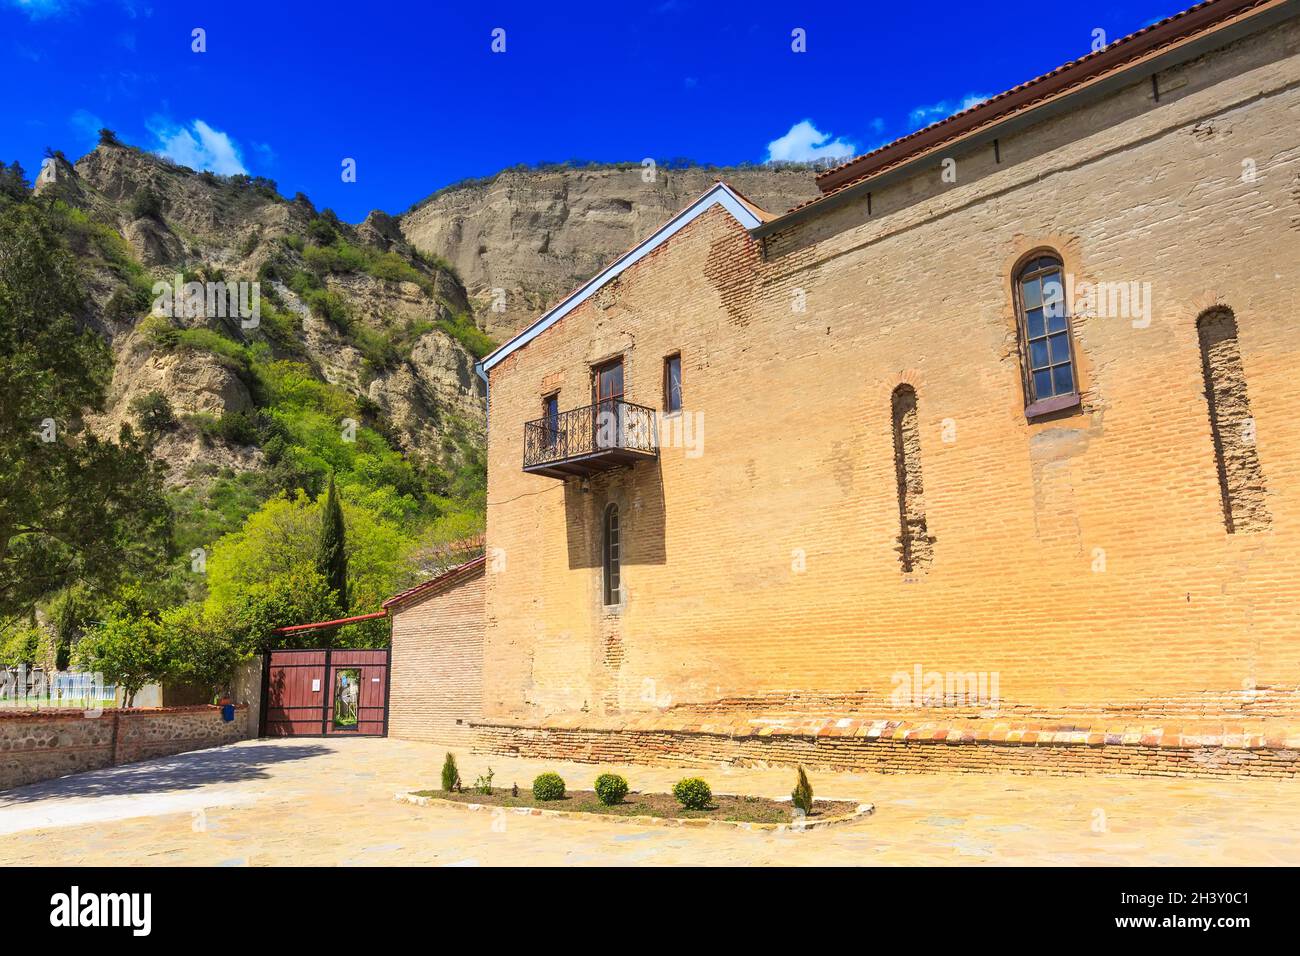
<point>153,243</point>
<point>380,229</point>
<point>537,234</point>
<point>208,227</point>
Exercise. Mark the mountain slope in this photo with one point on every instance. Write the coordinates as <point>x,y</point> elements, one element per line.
<point>356,307</point>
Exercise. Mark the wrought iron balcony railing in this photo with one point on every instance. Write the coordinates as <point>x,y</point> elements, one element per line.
<point>591,438</point>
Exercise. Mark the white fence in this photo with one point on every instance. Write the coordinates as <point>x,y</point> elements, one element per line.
<point>35,689</point>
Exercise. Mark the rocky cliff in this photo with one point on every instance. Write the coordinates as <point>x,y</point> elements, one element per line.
<point>357,307</point>
<point>535,234</point>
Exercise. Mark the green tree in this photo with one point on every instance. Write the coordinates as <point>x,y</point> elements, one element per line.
<point>802,795</point>
<point>73,507</point>
<point>153,413</point>
<point>130,647</point>
<point>332,558</point>
<point>13,182</point>
<point>265,575</point>
<point>70,613</point>
<point>200,649</point>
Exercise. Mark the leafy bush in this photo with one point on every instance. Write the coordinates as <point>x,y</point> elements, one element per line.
<point>339,256</point>
<point>321,232</point>
<point>394,268</point>
<point>250,242</point>
<point>331,307</point>
<point>610,789</point>
<point>153,413</point>
<point>146,205</point>
<point>126,303</point>
<point>803,793</point>
<point>450,775</point>
<point>483,784</point>
<point>693,793</point>
<point>548,786</point>
<point>160,332</point>
<point>463,330</point>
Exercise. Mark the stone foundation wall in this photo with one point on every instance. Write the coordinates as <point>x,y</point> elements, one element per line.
<point>37,746</point>
<point>912,748</point>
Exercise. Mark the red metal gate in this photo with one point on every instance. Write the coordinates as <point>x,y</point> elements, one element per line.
<point>325,693</point>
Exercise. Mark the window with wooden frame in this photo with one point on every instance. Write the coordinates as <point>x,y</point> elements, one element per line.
<point>607,403</point>
<point>607,382</point>
<point>551,418</point>
<point>1046,338</point>
<point>673,383</point>
<point>610,557</point>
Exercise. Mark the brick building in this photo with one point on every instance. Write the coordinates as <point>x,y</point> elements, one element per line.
<point>988,456</point>
<point>436,687</point>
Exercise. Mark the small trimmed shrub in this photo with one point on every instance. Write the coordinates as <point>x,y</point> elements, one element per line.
<point>802,796</point>
<point>450,775</point>
<point>548,786</point>
<point>693,793</point>
<point>610,789</point>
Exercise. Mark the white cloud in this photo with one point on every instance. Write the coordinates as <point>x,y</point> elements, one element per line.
<point>198,146</point>
<point>44,9</point>
<point>40,9</point>
<point>87,125</point>
<point>925,115</point>
<point>806,143</point>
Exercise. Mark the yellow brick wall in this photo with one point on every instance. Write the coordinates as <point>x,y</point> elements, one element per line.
<point>436,686</point>
<point>798,449</point>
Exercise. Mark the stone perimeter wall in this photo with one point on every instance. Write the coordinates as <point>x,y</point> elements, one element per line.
<point>37,746</point>
<point>943,752</point>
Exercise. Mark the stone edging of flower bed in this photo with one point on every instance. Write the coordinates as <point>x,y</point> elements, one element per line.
<point>863,810</point>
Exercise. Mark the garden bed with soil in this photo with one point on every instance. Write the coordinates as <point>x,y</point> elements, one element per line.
<point>654,808</point>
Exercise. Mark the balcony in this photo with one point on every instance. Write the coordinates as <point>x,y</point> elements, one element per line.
<point>590,439</point>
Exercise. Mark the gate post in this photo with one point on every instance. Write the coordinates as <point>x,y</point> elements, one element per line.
<point>326,689</point>
<point>266,690</point>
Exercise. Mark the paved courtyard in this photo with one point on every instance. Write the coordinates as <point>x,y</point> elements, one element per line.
<point>326,802</point>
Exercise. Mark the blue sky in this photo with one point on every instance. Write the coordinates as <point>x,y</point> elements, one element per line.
<point>416,96</point>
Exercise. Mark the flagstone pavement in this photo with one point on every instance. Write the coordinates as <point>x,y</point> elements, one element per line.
<point>331,802</point>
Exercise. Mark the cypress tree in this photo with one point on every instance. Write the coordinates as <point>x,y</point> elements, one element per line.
<point>332,560</point>
<point>802,797</point>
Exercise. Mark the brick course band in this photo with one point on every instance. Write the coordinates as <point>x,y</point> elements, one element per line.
<point>42,745</point>
<point>910,749</point>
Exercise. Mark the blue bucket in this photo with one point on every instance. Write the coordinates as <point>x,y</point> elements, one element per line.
<point>227,712</point>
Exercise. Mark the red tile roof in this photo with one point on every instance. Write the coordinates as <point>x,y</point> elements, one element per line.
<point>448,577</point>
<point>1113,58</point>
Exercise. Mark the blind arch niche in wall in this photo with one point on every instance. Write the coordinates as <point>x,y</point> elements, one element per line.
<point>915,546</point>
<point>1241,479</point>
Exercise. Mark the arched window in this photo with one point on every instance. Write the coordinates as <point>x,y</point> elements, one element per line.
<point>610,555</point>
<point>1051,380</point>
